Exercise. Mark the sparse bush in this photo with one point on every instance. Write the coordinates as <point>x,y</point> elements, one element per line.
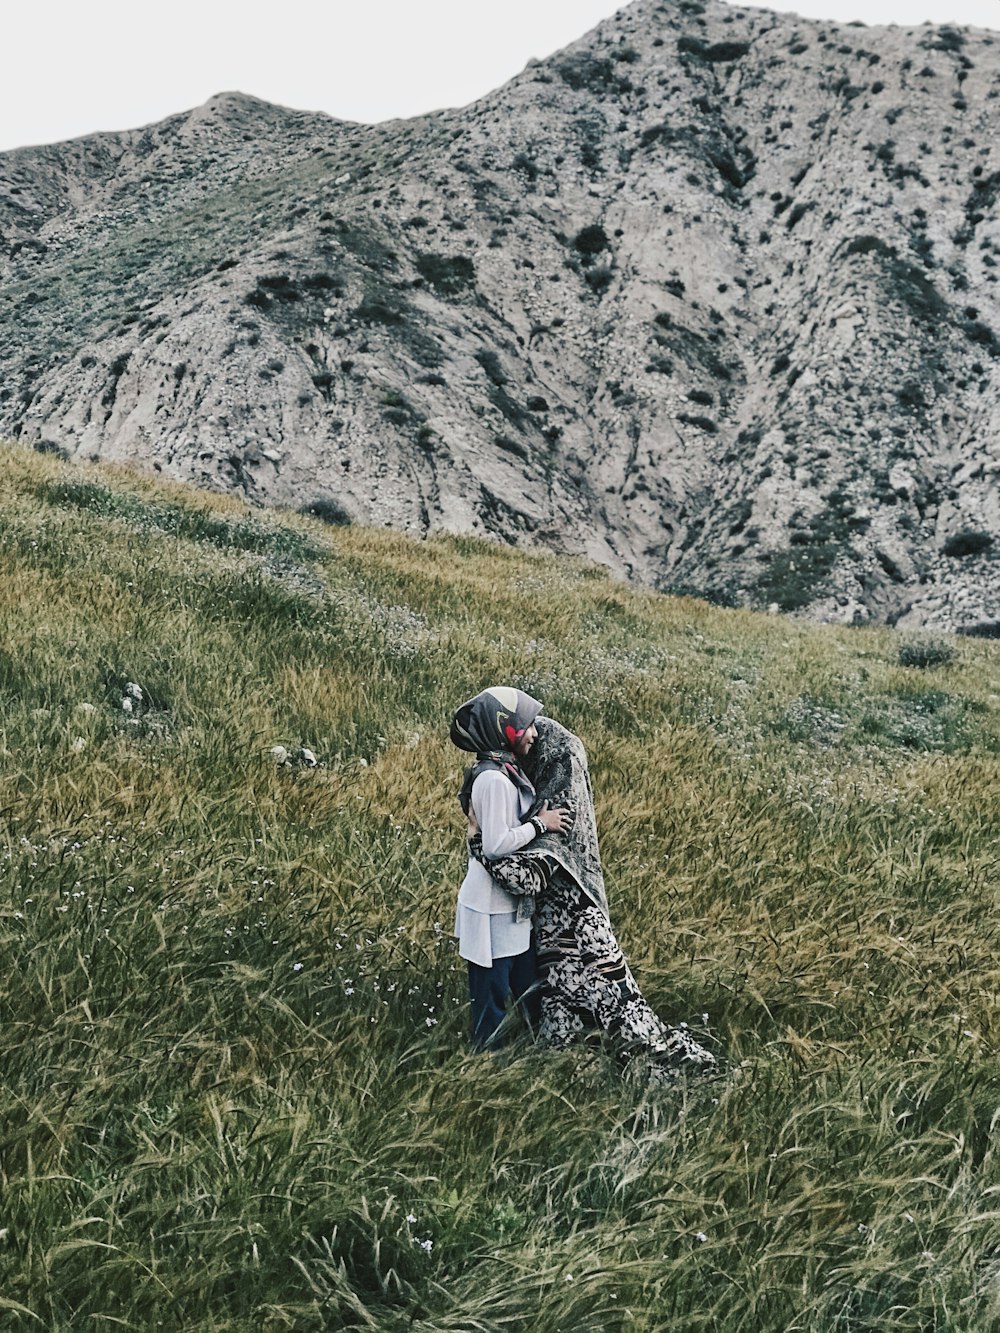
<point>660,365</point>
<point>716,53</point>
<point>49,447</point>
<point>968,541</point>
<point>591,240</point>
<point>917,292</point>
<point>381,306</point>
<point>911,396</point>
<point>599,279</point>
<point>510,444</point>
<point>978,332</point>
<point>492,365</point>
<point>449,275</point>
<point>278,289</point>
<point>866,245</point>
<point>703,423</point>
<point>925,653</point>
<point>582,70</point>
<point>527,166</point>
<point>944,39</point>
<point>798,213</point>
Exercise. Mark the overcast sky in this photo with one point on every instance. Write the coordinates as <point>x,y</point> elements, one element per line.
<point>75,66</point>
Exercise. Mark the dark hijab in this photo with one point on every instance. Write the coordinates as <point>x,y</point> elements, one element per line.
<point>489,726</point>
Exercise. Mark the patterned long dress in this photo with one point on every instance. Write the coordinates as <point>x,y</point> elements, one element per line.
<point>587,986</point>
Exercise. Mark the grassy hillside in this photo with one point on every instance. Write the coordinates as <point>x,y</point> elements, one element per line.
<point>235,1094</point>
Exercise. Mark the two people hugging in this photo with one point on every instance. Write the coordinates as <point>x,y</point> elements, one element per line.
<point>532,918</point>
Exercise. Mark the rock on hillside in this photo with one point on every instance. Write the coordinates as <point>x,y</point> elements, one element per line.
<point>710,296</point>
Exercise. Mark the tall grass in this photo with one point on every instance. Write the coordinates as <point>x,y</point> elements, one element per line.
<point>235,1092</point>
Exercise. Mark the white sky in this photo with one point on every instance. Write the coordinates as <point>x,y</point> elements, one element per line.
<point>75,66</point>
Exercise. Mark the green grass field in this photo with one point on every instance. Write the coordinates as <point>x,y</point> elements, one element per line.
<point>235,1093</point>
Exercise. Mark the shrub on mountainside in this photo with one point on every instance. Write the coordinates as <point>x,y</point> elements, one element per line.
<point>591,240</point>
<point>866,245</point>
<point>978,332</point>
<point>492,365</point>
<point>581,70</point>
<point>449,275</point>
<point>327,510</point>
<point>968,541</point>
<point>703,423</point>
<point>712,53</point>
<point>917,292</point>
<point>50,447</point>
<point>599,279</point>
<point>381,304</point>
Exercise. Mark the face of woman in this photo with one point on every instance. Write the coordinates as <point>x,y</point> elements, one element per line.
<point>525,741</point>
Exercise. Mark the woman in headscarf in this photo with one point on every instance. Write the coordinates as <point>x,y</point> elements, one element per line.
<point>587,986</point>
<point>492,924</point>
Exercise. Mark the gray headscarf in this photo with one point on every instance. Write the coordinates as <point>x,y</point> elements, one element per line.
<point>489,726</point>
<point>493,720</point>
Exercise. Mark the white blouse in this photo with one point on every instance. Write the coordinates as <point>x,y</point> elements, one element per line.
<point>485,920</point>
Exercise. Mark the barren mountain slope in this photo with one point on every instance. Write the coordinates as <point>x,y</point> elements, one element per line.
<point>709,296</point>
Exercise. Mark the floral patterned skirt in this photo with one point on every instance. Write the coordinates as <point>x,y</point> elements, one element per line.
<point>588,987</point>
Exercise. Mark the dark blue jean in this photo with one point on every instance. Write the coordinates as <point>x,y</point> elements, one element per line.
<point>489,988</point>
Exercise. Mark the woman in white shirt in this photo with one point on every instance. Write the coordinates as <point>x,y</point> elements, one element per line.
<point>493,925</point>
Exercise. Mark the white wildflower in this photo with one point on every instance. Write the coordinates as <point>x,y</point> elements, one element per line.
<point>297,967</point>
<point>701,1238</point>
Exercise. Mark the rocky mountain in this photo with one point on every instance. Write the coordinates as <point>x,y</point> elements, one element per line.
<point>710,297</point>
